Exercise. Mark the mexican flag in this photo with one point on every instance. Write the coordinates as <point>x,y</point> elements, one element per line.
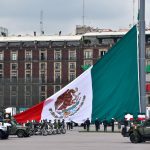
<point>108,89</point>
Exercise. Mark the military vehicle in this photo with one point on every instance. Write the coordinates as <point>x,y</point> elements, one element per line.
<point>3,131</point>
<point>19,130</point>
<point>138,133</point>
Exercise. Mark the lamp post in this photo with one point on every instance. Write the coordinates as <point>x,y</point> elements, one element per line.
<point>142,56</point>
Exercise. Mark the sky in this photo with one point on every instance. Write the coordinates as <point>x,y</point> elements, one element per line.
<point>23,17</point>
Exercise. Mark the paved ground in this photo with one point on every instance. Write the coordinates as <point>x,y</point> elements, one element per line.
<point>73,140</point>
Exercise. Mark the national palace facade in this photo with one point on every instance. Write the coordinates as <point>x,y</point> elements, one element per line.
<point>33,68</point>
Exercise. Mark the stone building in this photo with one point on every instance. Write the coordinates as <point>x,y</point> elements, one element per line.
<point>33,68</point>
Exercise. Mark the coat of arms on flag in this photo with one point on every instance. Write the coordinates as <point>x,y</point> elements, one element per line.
<point>67,104</point>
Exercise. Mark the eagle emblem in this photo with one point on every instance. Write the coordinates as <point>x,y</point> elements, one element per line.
<point>67,104</point>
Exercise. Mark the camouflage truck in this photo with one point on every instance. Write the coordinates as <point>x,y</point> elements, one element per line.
<point>19,130</point>
<point>138,133</point>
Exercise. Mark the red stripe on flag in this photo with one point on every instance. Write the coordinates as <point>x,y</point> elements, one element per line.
<point>33,113</point>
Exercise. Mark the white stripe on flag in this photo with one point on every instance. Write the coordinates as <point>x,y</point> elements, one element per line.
<point>78,101</point>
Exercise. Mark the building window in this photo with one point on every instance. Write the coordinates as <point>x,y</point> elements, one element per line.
<point>1,90</point>
<point>57,55</point>
<point>88,62</point>
<point>57,77</point>
<point>148,52</point>
<point>148,100</point>
<point>57,88</point>
<point>148,62</point>
<point>14,90</point>
<point>1,66</point>
<point>1,56</point>
<point>72,66</point>
<point>14,76</point>
<point>88,54</point>
<point>72,55</point>
<point>14,56</point>
<point>43,88</point>
<point>1,75</point>
<point>148,40</point>
<point>43,66</point>
<point>28,66</point>
<point>43,55</point>
<point>28,55</point>
<point>28,76</point>
<point>28,100</point>
<point>42,97</point>
<point>14,66</point>
<point>14,100</point>
<point>43,92</point>
<point>43,72</point>
<point>27,90</point>
<point>72,76</point>
<point>43,77</point>
<point>102,52</point>
<point>57,66</point>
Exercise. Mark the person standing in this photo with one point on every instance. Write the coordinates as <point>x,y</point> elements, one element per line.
<point>112,124</point>
<point>105,122</point>
<point>88,124</point>
<point>68,125</point>
<point>97,125</point>
<point>55,124</point>
<point>63,124</point>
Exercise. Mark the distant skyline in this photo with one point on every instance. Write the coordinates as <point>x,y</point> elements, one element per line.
<point>22,17</point>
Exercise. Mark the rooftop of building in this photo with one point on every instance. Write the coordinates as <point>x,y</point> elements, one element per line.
<point>101,33</point>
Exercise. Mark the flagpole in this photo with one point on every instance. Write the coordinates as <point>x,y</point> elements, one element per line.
<point>142,56</point>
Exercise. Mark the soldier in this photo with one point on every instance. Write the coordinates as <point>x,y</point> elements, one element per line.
<point>97,124</point>
<point>71,124</point>
<point>55,124</point>
<point>50,124</point>
<point>88,124</point>
<point>59,124</point>
<point>112,124</point>
<point>105,123</point>
<point>68,125</point>
<point>63,124</point>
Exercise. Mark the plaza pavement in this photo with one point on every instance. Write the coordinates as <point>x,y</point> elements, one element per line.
<point>74,140</point>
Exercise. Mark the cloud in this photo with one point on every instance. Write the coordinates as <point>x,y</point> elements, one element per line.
<point>23,16</point>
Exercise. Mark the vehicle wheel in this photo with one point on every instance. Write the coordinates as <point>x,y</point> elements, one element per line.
<point>20,133</point>
<point>44,132</point>
<point>50,132</point>
<point>54,132</point>
<point>134,138</point>
<point>5,136</point>
<point>58,131</point>
<point>124,131</point>
<point>63,131</point>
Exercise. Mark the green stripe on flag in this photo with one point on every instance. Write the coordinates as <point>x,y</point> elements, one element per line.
<point>115,80</point>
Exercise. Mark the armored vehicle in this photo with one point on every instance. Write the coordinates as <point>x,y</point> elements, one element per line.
<point>19,130</point>
<point>138,133</point>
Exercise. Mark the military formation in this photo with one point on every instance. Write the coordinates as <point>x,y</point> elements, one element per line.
<point>138,131</point>
<point>8,126</point>
<point>45,127</point>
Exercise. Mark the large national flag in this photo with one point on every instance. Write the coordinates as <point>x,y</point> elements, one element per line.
<point>108,89</point>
